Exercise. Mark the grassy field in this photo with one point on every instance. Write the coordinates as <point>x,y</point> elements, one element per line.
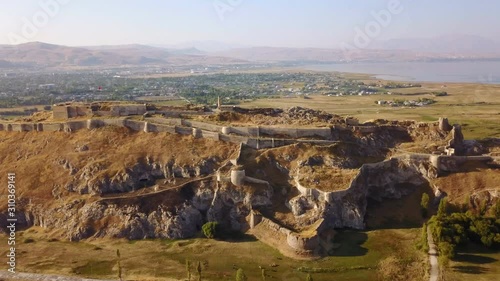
<point>475,106</point>
<point>357,257</point>
<point>474,263</point>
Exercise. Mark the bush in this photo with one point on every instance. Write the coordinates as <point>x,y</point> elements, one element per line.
<point>422,243</point>
<point>446,249</point>
<point>211,230</point>
<point>459,229</point>
<point>240,275</point>
<point>424,203</point>
<point>440,94</point>
<point>443,207</point>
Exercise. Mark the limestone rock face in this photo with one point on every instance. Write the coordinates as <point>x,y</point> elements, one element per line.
<point>300,205</point>
<point>393,179</point>
<point>174,214</point>
<point>89,179</point>
<point>237,203</point>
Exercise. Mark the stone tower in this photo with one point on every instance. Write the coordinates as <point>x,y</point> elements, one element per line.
<point>444,125</point>
<point>238,176</point>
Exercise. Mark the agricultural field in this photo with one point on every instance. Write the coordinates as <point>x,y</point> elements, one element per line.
<point>475,106</point>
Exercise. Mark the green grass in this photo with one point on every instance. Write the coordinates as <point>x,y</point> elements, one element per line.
<point>474,262</point>
<point>356,257</point>
<point>96,268</point>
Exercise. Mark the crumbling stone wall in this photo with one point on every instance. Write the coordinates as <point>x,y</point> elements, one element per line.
<point>74,126</point>
<point>134,125</point>
<point>60,112</point>
<point>294,240</point>
<point>70,111</point>
<point>53,127</point>
<point>307,244</point>
<point>127,110</point>
<point>445,163</point>
<point>210,135</point>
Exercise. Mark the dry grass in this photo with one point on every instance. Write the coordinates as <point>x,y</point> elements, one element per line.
<point>149,260</point>
<point>322,176</point>
<point>34,156</point>
<point>474,177</point>
<point>327,178</point>
<point>474,263</point>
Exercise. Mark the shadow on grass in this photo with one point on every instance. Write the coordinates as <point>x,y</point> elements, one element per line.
<point>476,259</point>
<point>95,268</point>
<point>470,269</point>
<point>238,237</point>
<point>475,248</point>
<point>349,244</point>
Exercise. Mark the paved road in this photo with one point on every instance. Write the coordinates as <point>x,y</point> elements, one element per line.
<point>5,275</point>
<point>433,254</point>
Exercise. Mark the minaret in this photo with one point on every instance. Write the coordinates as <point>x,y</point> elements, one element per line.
<point>218,102</point>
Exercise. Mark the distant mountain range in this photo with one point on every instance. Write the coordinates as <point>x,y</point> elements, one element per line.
<point>214,53</point>
<point>204,46</point>
<point>49,55</point>
<point>449,44</point>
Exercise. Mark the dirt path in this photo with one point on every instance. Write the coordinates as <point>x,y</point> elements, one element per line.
<point>4,275</point>
<point>433,254</point>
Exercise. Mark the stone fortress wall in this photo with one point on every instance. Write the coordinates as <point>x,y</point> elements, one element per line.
<point>258,137</point>
<point>308,244</point>
<point>442,164</point>
<point>67,111</point>
<point>255,137</point>
<point>247,135</point>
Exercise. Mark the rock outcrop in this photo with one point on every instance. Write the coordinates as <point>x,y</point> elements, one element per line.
<point>391,179</point>
<point>172,214</point>
<point>90,179</point>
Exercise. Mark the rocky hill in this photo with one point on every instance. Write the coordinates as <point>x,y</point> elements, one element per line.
<point>116,182</point>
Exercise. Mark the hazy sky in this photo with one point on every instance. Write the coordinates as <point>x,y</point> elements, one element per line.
<point>295,23</point>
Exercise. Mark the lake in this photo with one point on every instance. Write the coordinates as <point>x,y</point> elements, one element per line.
<point>487,72</point>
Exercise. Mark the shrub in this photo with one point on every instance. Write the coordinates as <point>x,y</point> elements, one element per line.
<point>240,275</point>
<point>446,249</point>
<point>459,229</point>
<point>424,203</point>
<point>422,243</point>
<point>443,207</point>
<point>211,230</point>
